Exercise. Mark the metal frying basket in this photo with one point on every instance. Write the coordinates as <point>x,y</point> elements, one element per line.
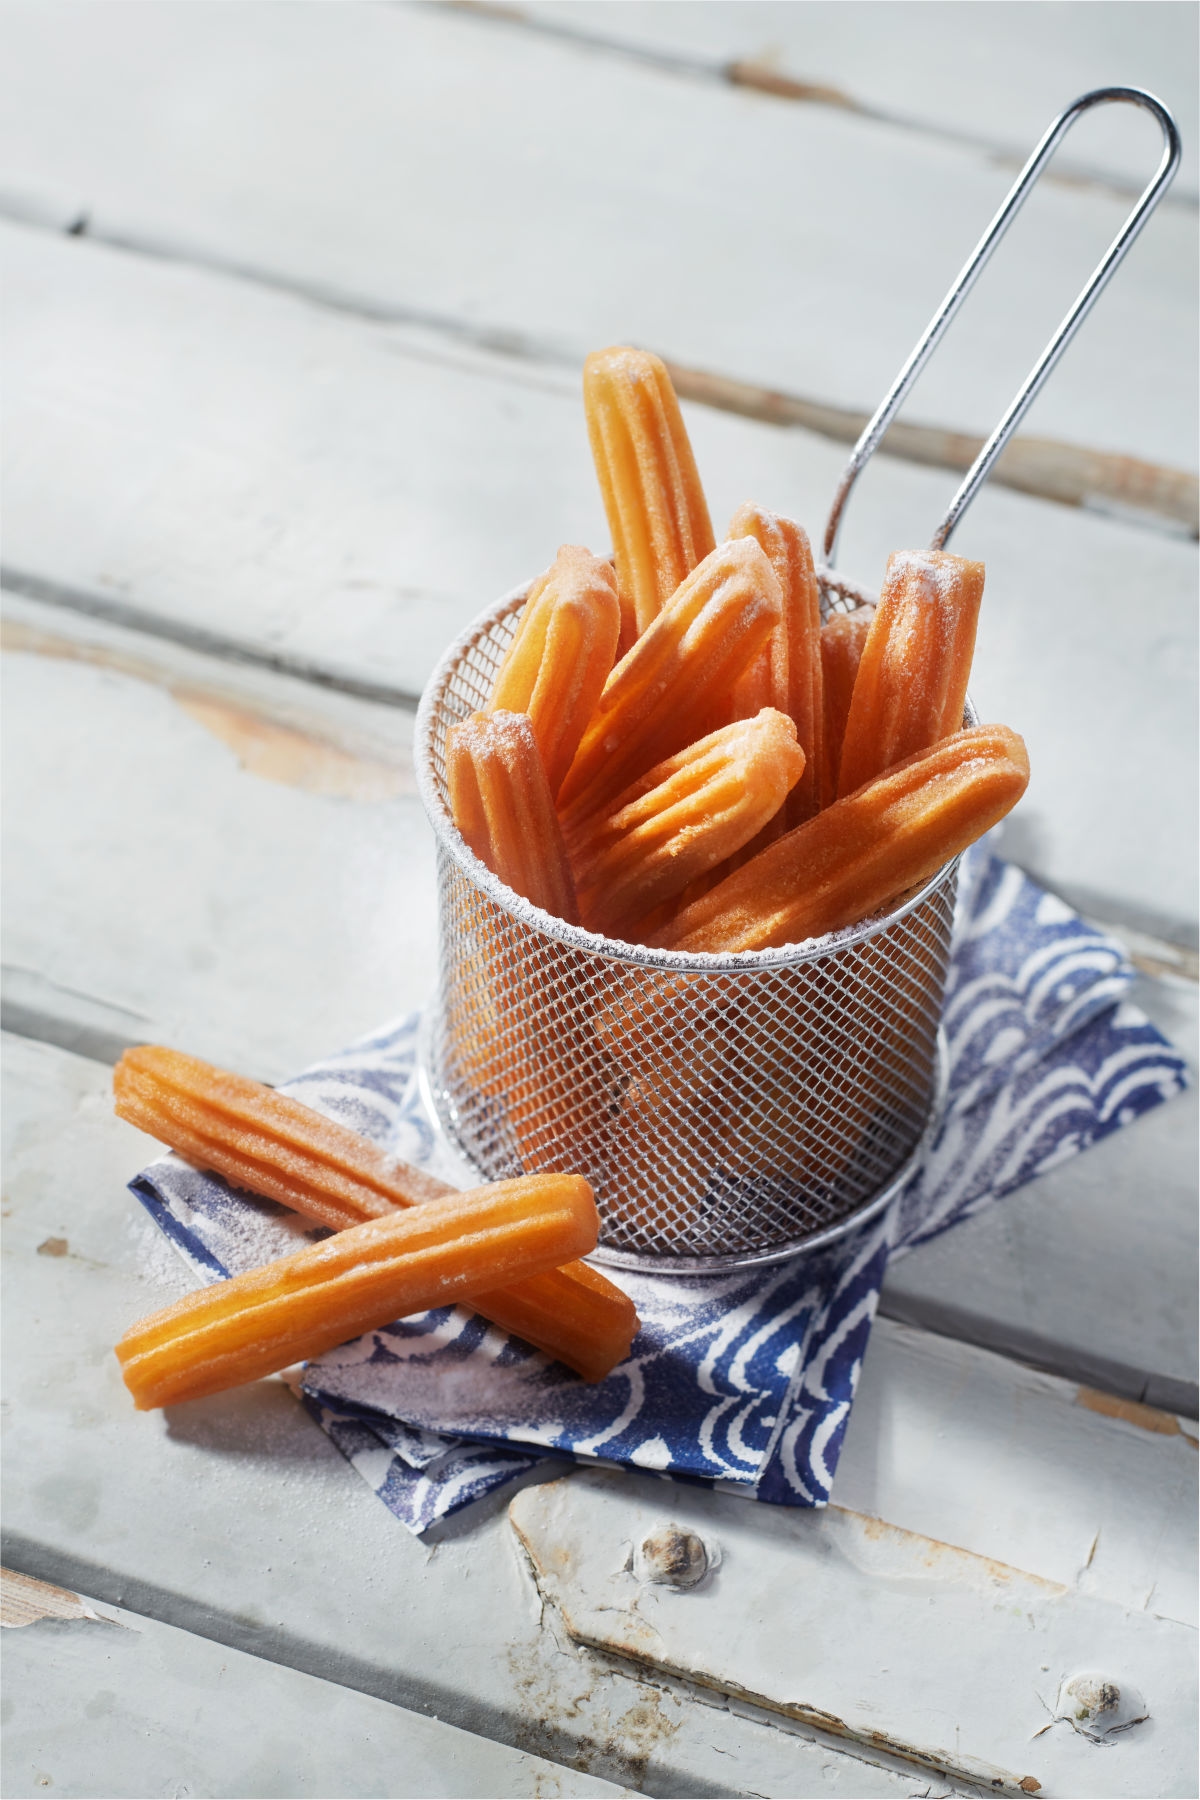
<point>727,1110</point>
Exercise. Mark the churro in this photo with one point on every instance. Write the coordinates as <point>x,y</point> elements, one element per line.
<point>911,685</point>
<point>660,696</point>
<point>680,820</point>
<point>648,480</point>
<point>436,1254</point>
<point>787,672</point>
<point>502,804</point>
<point>562,654</point>
<point>270,1144</point>
<point>842,638</point>
<point>844,865</point>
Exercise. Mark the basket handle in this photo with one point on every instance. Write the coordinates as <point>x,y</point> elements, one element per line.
<point>980,469</point>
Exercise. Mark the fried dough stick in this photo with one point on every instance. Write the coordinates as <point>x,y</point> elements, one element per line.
<point>304,1304</point>
<point>842,638</point>
<point>848,862</point>
<point>270,1144</point>
<point>502,804</point>
<point>562,654</point>
<point>661,695</point>
<point>787,672</point>
<point>911,684</point>
<point>683,818</point>
<point>649,483</point>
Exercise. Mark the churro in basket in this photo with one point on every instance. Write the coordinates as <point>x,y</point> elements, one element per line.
<point>561,655</point>
<point>911,684</point>
<point>537,1070</point>
<point>663,692</point>
<point>867,849</point>
<point>787,672</point>
<point>682,819</point>
<point>502,804</point>
<point>842,638</point>
<point>649,483</point>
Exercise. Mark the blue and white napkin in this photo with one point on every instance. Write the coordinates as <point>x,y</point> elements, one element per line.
<point>742,1381</point>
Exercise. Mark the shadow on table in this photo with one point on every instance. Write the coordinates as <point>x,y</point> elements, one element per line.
<point>263,1420</point>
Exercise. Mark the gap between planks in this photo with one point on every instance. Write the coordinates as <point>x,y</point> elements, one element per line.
<point>417,1693</point>
<point>762,78</point>
<point>1152,496</point>
<point>200,639</point>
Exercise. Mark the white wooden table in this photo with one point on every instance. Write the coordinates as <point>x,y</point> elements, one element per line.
<point>295,302</point>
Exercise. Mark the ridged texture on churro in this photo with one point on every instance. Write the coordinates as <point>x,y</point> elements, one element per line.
<point>848,862</point>
<point>911,685</point>
<point>684,817</point>
<point>304,1304</point>
<point>787,672</point>
<point>842,638</point>
<point>660,696</point>
<point>501,802</point>
<point>262,1140</point>
<point>573,1313</point>
<point>539,1074</point>
<point>562,654</point>
<point>270,1144</point>
<point>648,480</point>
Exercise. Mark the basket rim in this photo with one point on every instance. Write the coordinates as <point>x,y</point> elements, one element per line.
<point>576,937</point>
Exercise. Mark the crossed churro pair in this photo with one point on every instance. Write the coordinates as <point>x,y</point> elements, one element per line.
<point>403,1242</point>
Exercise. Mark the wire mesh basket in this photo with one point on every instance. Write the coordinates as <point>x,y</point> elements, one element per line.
<point>726,1109</point>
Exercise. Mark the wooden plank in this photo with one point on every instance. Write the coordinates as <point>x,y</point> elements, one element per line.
<point>483,186</point>
<point>248,877</point>
<point>122,1704</point>
<point>350,525</point>
<point>971,71</point>
<point>1080,1272</point>
<point>236,1519</point>
<point>973,1692</point>
<point>957,1444</point>
<point>240,915</point>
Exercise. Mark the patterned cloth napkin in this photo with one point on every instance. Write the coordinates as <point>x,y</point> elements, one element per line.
<point>741,1381</point>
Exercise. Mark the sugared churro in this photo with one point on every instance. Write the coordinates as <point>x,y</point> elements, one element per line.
<point>685,816</point>
<point>304,1304</point>
<point>660,696</point>
<point>270,1144</point>
<point>911,685</point>
<point>648,480</point>
<point>848,862</point>
<point>842,638</point>
<point>562,654</point>
<point>502,804</point>
<point>539,1071</point>
<point>787,672</point>
<point>264,1141</point>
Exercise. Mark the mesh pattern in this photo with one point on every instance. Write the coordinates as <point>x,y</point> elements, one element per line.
<point>723,1110</point>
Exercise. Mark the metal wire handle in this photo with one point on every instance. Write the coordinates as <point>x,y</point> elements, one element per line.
<point>980,469</point>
